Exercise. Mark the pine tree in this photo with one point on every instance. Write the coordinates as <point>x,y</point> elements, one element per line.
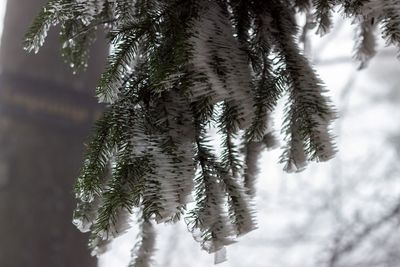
<point>177,69</point>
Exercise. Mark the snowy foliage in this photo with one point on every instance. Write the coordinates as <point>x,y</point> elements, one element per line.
<point>178,68</point>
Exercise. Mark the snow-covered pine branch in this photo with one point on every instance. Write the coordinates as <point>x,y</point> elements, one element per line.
<point>176,68</point>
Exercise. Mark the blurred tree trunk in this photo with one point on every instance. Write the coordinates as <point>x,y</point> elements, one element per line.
<point>45,116</point>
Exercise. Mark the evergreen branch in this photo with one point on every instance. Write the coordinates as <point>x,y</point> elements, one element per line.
<point>122,193</point>
<point>174,62</point>
<point>124,10</point>
<point>268,86</point>
<point>365,46</point>
<point>323,14</point>
<point>206,188</point>
<point>240,213</point>
<point>228,126</point>
<point>269,89</point>
<point>154,203</point>
<point>178,143</point>
<point>161,197</point>
<point>353,8</point>
<point>169,58</point>
<point>219,57</point>
<point>112,129</point>
<point>55,12</point>
<point>97,157</point>
<point>89,11</point>
<point>84,29</point>
<point>385,13</point>
<point>391,22</point>
<point>308,112</point>
<point>117,64</point>
<point>242,19</point>
<point>208,217</point>
<point>252,153</point>
<point>75,49</point>
<point>140,32</point>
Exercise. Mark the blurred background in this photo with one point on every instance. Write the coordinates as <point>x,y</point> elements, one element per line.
<point>344,213</point>
<point>46,114</point>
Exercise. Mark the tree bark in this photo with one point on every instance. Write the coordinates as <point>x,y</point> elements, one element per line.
<point>46,114</point>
